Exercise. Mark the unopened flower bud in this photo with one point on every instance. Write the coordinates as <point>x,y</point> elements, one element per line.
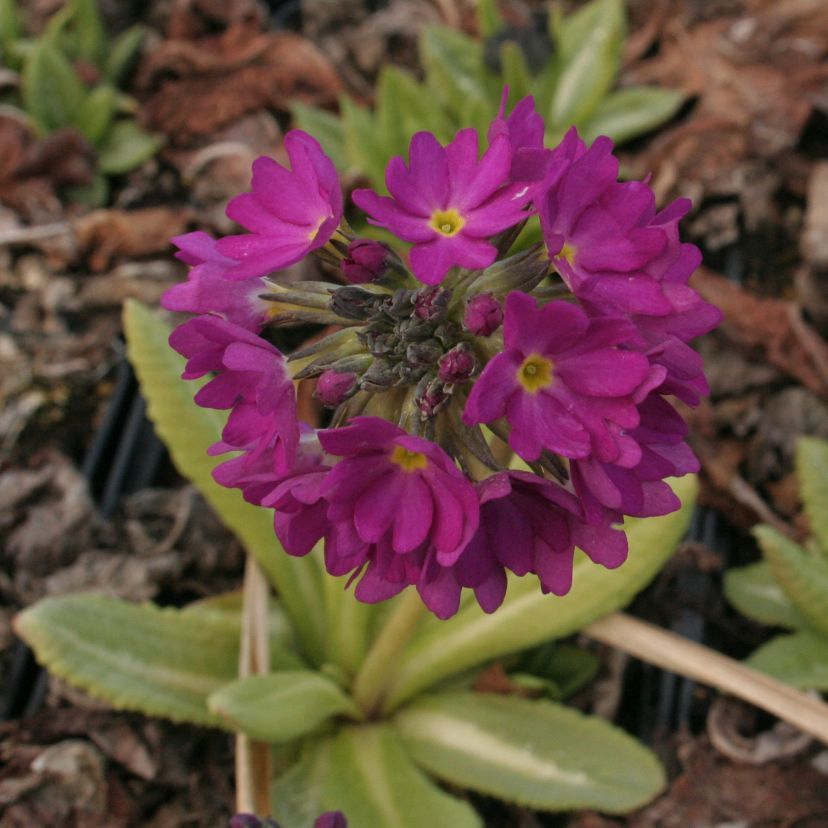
<point>365,261</point>
<point>431,397</point>
<point>331,819</point>
<point>333,388</point>
<point>483,315</point>
<point>423,353</point>
<point>431,303</point>
<point>354,303</point>
<point>457,365</point>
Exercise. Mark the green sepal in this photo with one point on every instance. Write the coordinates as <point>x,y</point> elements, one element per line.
<point>527,617</point>
<point>589,58</point>
<point>125,147</point>
<point>631,112</point>
<point>283,706</point>
<point>755,593</point>
<point>802,575</point>
<point>163,662</point>
<point>800,659</point>
<point>370,778</point>
<point>533,752</point>
<point>812,473</point>
<point>188,431</point>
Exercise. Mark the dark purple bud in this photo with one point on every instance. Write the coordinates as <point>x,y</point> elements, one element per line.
<point>365,261</point>
<point>431,398</point>
<point>431,303</point>
<point>483,315</point>
<point>251,821</point>
<point>333,387</point>
<point>331,819</point>
<point>457,365</point>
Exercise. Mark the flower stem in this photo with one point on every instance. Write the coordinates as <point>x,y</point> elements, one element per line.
<point>371,682</point>
<point>253,758</point>
<point>672,652</point>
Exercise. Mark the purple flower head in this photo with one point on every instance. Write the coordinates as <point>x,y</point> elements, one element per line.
<point>288,213</point>
<point>524,129</point>
<point>483,315</point>
<point>208,289</point>
<point>365,261</point>
<point>562,382</point>
<point>333,388</point>
<point>396,488</point>
<point>251,379</point>
<point>448,203</point>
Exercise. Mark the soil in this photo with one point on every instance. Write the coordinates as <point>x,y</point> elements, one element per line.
<point>750,148</point>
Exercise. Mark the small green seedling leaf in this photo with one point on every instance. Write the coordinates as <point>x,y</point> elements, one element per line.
<point>631,112</point>
<point>94,117</point>
<point>125,147</point>
<point>812,471</point>
<point>532,752</point>
<point>188,431</point>
<point>163,662</point>
<point>90,37</point>
<point>281,707</point>
<point>800,659</point>
<point>122,53</point>
<point>528,617</point>
<point>802,575</point>
<point>371,779</point>
<point>51,90</point>
<point>754,592</point>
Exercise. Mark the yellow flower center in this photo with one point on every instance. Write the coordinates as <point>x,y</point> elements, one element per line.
<point>408,460</point>
<point>535,372</point>
<point>448,222</point>
<point>567,252</point>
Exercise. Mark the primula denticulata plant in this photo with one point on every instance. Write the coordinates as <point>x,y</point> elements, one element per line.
<point>489,413</point>
<point>789,588</point>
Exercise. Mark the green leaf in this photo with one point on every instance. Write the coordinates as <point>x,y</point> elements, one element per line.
<point>528,617</point>
<point>281,707</point>
<point>455,74</point>
<point>362,145</point>
<point>11,30</point>
<point>800,659</point>
<point>590,55</point>
<point>90,37</point>
<point>95,114</point>
<point>371,779</point>
<point>125,147</point>
<point>94,194</point>
<point>188,431</point>
<point>754,592</point>
<point>489,19</point>
<point>325,127</point>
<point>632,111</point>
<point>296,794</point>
<point>568,667</point>
<point>122,53</point>
<point>163,662</point>
<point>802,575</point>
<point>50,88</point>
<point>516,73</point>
<point>536,753</point>
<point>351,623</point>
<point>812,472</point>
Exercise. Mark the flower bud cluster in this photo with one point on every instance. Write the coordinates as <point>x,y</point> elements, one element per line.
<point>442,365</point>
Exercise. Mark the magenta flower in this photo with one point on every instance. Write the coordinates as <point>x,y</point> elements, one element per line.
<point>561,382</point>
<point>393,487</point>
<point>251,379</point>
<point>289,213</point>
<point>365,261</point>
<point>448,203</point>
<point>524,129</point>
<point>208,290</point>
<point>483,315</point>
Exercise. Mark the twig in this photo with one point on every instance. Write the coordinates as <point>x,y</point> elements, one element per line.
<point>672,652</point>
<point>252,757</point>
<point>21,235</point>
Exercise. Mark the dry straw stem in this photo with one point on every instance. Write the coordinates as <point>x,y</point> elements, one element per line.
<point>677,654</point>
<point>252,757</point>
